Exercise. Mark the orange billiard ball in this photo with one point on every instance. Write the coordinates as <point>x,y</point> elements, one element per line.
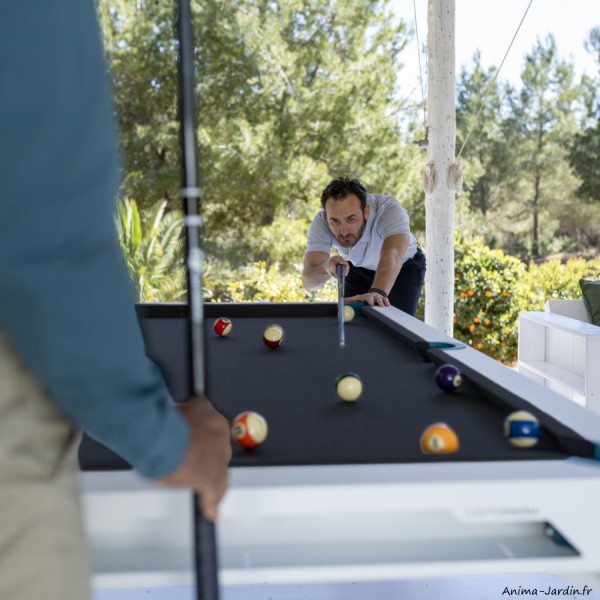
<point>439,438</point>
<point>222,326</point>
<point>249,429</point>
<point>273,336</point>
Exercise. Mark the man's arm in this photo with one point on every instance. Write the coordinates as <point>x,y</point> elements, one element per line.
<point>65,298</point>
<point>204,467</point>
<point>319,267</point>
<point>390,262</point>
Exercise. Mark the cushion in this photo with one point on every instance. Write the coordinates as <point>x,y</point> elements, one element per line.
<point>591,296</point>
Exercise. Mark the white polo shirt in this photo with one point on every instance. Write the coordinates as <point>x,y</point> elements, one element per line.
<point>386,217</point>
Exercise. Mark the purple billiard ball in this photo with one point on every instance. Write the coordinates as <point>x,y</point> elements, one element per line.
<point>448,378</point>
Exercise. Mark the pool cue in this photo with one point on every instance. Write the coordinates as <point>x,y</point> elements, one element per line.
<point>205,546</point>
<point>341,279</point>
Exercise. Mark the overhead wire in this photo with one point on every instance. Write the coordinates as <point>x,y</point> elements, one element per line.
<point>492,81</point>
<point>420,69</point>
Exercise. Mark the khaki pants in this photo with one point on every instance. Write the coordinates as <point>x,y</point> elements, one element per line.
<point>43,553</point>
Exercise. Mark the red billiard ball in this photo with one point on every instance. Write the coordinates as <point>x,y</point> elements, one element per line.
<point>448,377</point>
<point>273,336</point>
<point>439,438</point>
<point>249,429</point>
<point>222,326</point>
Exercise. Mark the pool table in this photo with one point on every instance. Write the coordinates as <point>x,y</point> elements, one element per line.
<point>342,489</point>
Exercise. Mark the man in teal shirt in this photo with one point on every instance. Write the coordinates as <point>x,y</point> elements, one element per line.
<point>71,352</point>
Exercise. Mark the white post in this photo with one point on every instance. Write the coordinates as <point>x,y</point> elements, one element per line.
<point>439,198</point>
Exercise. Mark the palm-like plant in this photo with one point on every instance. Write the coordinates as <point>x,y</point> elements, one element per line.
<point>153,250</point>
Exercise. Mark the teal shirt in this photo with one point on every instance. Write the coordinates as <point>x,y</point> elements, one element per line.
<point>65,298</point>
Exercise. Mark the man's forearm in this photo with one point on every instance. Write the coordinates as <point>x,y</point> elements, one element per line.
<point>388,269</point>
<point>314,277</point>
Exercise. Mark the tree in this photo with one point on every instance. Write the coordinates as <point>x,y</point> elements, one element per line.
<point>290,93</point>
<point>538,131</point>
<point>479,111</point>
<point>142,55</point>
<point>293,93</point>
<point>585,151</point>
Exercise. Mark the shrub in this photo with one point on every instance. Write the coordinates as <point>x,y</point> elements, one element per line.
<point>487,297</point>
<point>259,282</point>
<point>492,288</point>
<point>553,280</point>
<point>152,248</point>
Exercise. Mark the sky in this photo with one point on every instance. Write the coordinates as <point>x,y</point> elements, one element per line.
<point>490,25</point>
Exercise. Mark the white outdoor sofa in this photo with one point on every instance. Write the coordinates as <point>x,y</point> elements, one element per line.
<point>560,348</point>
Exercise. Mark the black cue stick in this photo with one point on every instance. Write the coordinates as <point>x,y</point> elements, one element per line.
<point>205,545</point>
<point>341,280</point>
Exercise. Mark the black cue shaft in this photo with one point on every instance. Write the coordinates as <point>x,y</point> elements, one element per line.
<point>341,279</point>
<point>205,546</point>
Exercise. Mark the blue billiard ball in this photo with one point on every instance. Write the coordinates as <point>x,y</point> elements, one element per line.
<point>522,429</point>
<point>448,378</point>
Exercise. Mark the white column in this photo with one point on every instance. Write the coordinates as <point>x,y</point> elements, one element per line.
<point>439,198</point>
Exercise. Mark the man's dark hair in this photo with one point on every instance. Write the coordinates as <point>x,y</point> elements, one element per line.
<point>344,186</point>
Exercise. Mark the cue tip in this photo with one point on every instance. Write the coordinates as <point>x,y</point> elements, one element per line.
<point>342,345</point>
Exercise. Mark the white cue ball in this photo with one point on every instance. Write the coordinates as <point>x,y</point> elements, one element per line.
<point>348,314</point>
<point>349,387</point>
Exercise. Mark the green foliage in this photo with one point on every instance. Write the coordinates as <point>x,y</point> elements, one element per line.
<point>585,158</point>
<point>139,40</point>
<point>257,282</point>
<point>492,288</point>
<point>518,174</point>
<point>486,154</point>
<point>541,123</point>
<point>290,93</point>
<point>555,280</point>
<point>488,297</point>
<point>153,251</point>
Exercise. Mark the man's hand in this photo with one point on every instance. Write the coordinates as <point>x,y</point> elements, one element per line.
<point>333,262</point>
<point>319,267</point>
<point>204,468</point>
<point>371,298</point>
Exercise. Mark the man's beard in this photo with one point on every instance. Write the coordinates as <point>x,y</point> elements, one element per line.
<point>351,240</point>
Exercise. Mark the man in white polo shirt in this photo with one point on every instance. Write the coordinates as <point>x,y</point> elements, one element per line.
<point>383,264</point>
